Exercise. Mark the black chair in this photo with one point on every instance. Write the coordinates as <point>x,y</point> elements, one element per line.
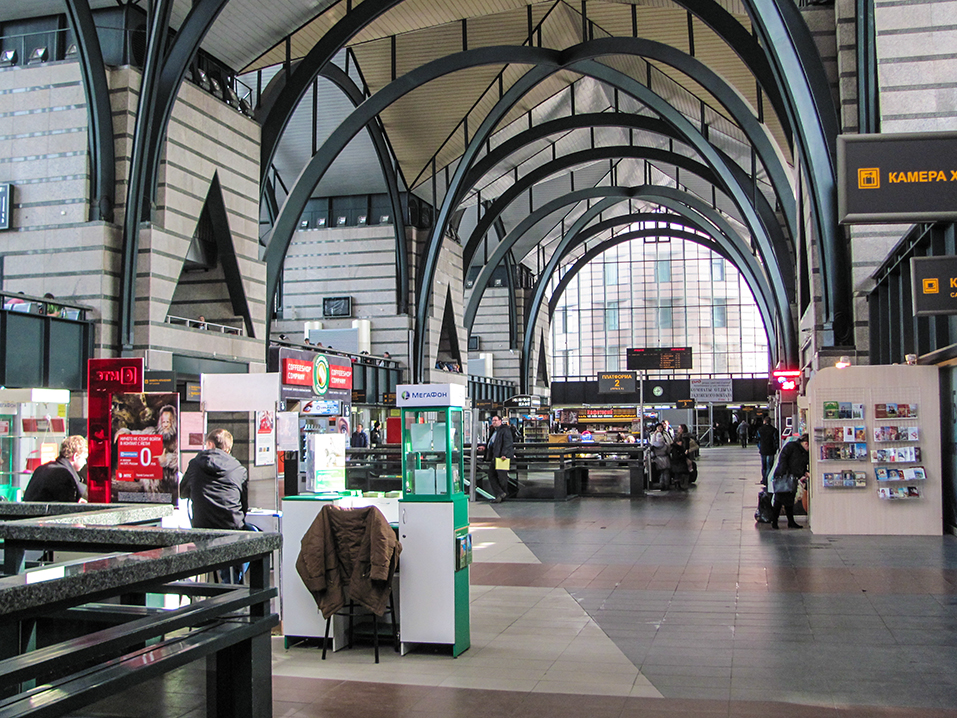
<point>353,610</point>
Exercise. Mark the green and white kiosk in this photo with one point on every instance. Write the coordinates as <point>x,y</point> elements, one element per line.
<point>433,518</point>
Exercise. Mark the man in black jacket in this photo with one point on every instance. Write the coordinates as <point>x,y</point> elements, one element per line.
<point>217,484</point>
<point>359,440</point>
<point>500,446</point>
<point>58,480</point>
<point>768,447</point>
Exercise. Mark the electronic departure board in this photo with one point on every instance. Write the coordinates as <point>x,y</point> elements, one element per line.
<point>658,358</point>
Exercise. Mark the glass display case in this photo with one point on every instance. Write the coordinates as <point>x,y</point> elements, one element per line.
<point>432,453</point>
<point>33,423</point>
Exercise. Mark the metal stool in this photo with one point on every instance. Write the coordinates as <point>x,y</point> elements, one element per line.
<point>350,610</point>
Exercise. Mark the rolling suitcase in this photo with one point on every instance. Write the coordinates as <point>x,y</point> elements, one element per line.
<point>763,513</point>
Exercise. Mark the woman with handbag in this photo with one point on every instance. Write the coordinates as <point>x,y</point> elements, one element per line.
<point>792,465</point>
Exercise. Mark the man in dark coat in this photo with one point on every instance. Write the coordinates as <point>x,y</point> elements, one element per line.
<point>59,480</point>
<point>500,446</point>
<point>359,439</point>
<point>217,484</point>
<point>767,446</point>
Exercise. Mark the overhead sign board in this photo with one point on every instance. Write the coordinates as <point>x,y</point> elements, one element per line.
<point>612,413</point>
<point>908,177</point>
<point>711,390</point>
<point>617,382</point>
<point>430,395</point>
<point>659,358</point>
<point>523,401</point>
<point>934,285</point>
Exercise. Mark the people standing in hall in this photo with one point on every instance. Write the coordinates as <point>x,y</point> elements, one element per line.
<point>792,466</point>
<point>359,440</point>
<point>59,480</point>
<point>375,436</point>
<point>218,486</point>
<point>500,446</point>
<point>743,433</point>
<point>767,446</point>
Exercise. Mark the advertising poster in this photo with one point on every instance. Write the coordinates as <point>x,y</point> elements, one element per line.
<point>145,432</point>
<point>265,438</point>
<point>287,431</point>
<point>192,431</point>
<point>330,462</point>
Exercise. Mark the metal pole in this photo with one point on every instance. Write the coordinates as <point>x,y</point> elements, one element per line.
<point>473,458</point>
<point>711,423</point>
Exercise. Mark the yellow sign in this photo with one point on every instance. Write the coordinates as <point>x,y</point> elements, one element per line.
<point>931,286</point>
<point>869,178</point>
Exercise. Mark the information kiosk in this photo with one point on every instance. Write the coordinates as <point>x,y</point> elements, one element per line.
<point>433,518</point>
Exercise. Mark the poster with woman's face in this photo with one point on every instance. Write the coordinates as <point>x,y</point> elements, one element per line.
<point>145,429</point>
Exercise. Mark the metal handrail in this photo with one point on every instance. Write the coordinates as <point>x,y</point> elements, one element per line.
<point>204,325</point>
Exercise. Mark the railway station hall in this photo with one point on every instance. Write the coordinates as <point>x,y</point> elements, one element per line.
<point>478,358</point>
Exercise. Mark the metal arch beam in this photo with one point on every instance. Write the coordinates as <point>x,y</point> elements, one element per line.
<point>773,264</point>
<point>277,108</point>
<point>569,59</point>
<point>334,144</point>
<point>762,293</point>
<point>185,44</point>
<point>768,222</point>
<point>803,81</point>
<point>614,240</point>
<point>745,262</point>
<point>617,119</point>
<point>578,59</point>
<point>625,237</point>
<point>102,149</point>
<point>744,45</point>
<point>512,309</point>
<point>748,267</point>
<point>609,196</point>
<point>756,132</point>
<point>451,200</point>
<point>337,76</point>
<point>679,202</point>
<point>138,187</point>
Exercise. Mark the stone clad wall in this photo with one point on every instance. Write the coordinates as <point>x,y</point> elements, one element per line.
<point>44,153</point>
<point>357,262</point>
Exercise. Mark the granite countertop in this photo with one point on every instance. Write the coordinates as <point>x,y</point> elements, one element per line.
<point>167,555</point>
<point>89,514</point>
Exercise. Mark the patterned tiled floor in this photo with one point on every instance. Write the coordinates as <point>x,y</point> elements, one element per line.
<point>670,605</point>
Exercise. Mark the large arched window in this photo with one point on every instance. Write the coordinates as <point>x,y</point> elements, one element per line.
<point>700,300</point>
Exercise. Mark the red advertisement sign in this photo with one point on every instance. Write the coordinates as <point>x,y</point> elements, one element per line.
<point>138,457</point>
<point>340,376</point>
<point>296,372</point>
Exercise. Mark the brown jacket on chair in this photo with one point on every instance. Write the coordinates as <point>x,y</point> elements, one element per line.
<point>349,554</point>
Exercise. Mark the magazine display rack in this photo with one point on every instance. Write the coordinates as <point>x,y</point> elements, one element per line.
<point>875,453</point>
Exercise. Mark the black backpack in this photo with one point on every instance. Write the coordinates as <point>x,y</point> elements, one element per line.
<point>677,452</point>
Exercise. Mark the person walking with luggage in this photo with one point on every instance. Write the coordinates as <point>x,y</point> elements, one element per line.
<point>792,466</point>
<point>767,446</point>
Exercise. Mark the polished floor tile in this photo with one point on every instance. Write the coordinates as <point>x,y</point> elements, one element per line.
<point>666,606</point>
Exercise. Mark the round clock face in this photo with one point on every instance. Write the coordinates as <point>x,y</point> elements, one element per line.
<point>657,391</point>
